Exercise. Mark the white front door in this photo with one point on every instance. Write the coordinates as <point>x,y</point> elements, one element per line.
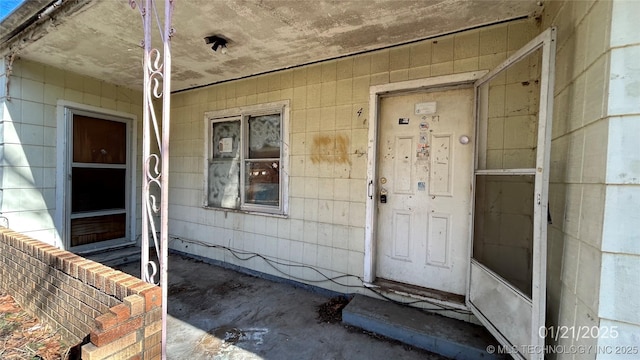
<point>424,188</point>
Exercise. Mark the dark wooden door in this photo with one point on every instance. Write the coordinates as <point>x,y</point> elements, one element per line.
<point>98,180</point>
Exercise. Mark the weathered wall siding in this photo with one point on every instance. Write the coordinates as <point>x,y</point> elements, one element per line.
<point>28,135</point>
<point>328,145</point>
<point>594,178</point>
<point>577,181</point>
<point>119,314</point>
<point>619,302</point>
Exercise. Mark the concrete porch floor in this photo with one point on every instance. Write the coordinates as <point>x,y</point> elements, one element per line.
<point>217,313</point>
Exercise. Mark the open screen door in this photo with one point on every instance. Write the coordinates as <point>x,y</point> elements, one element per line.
<point>507,279</point>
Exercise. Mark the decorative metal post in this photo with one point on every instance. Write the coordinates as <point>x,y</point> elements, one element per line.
<point>155,167</point>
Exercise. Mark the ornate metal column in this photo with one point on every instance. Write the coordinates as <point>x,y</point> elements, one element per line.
<point>155,163</point>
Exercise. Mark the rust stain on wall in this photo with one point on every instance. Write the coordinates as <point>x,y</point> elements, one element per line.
<point>330,149</point>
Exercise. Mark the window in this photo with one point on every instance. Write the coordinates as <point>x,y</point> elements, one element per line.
<point>246,158</point>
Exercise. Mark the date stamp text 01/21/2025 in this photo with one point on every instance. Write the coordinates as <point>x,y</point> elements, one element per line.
<point>578,332</point>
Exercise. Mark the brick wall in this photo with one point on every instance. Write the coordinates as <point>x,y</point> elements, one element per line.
<point>119,314</point>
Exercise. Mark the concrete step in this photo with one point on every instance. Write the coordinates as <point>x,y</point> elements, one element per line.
<point>448,337</point>
<point>116,257</point>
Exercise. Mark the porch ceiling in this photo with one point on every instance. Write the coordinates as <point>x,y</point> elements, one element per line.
<point>102,38</point>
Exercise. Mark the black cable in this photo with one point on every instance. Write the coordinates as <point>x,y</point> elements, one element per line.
<point>235,253</point>
<point>238,254</point>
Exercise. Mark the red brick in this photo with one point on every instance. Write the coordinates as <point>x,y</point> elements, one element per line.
<point>153,353</point>
<point>106,321</point>
<point>152,316</point>
<point>112,282</point>
<point>140,287</point>
<point>135,303</point>
<point>126,353</point>
<point>63,261</point>
<point>80,269</point>
<point>133,288</point>
<point>75,266</point>
<point>67,262</point>
<point>92,352</point>
<point>28,245</point>
<point>152,298</point>
<point>122,286</point>
<point>21,237</point>
<point>51,257</point>
<point>122,312</point>
<point>99,276</point>
<point>151,329</point>
<point>43,252</point>
<point>100,338</point>
<point>87,272</point>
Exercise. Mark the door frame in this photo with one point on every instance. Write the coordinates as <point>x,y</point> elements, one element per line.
<point>375,92</point>
<point>63,203</point>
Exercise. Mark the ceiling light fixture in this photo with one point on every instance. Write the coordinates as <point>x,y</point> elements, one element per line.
<point>218,43</point>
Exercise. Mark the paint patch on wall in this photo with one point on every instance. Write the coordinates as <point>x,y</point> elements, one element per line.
<point>330,149</point>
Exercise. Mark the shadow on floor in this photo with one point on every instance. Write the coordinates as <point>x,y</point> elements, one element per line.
<point>216,313</point>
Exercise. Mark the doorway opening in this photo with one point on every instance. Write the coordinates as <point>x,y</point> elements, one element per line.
<point>414,209</point>
<point>424,172</point>
<point>419,197</point>
<point>98,177</point>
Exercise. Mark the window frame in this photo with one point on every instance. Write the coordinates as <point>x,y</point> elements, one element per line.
<point>242,114</point>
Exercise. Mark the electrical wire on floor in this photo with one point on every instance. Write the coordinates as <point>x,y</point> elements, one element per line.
<point>246,256</point>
